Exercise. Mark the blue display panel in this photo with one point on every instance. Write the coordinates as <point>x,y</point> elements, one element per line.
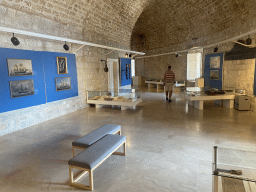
<point>44,73</point>
<point>213,71</point>
<point>125,66</point>
<point>51,72</point>
<point>6,102</point>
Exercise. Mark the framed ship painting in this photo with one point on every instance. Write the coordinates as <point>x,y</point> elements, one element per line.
<point>62,65</point>
<point>215,62</point>
<point>214,74</point>
<point>19,67</point>
<point>63,83</point>
<point>22,88</point>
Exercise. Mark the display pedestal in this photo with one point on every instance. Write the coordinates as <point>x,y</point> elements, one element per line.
<point>125,99</point>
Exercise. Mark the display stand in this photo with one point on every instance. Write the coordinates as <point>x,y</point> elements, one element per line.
<point>234,170</point>
<point>125,98</point>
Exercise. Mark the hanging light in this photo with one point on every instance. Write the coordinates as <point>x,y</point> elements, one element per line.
<point>176,55</point>
<point>15,41</point>
<point>216,49</point>
<point>248,41</point>
<point>65,46</point>
<point>106,67</point>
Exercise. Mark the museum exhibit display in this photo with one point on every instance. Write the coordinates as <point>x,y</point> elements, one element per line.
<point>233,170</point>
<point>19,67</point>
<point>195,96</point>
<point>124,98</point>
<point>32,78</point>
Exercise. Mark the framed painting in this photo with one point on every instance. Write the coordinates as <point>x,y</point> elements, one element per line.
<point>214,74</point>
<point>22,88</point>
<point>215,62</point>
<point>62,65</point>
<point>63,83</point>
<point>19,67</point>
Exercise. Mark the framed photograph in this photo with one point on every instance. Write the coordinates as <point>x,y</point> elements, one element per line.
<point>215,62</point>
<point>214,74</point>
<point>63,83</point>
<point>22,88</point>
<point>19,67</point>
<point>62,65</point>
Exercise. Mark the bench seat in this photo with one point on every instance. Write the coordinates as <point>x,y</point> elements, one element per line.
<point>93,156</point>
<point>87,140</point>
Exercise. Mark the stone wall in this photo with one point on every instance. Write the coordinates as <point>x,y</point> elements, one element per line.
<point>90,71</point>
<point>239,75</point>
<point>154,68</point>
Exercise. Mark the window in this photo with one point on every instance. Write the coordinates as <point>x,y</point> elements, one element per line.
<point>133,67</point>
<point>194,64</point>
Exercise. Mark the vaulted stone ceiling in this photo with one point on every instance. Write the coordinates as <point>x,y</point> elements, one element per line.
<point>164,22</point>
<point>111,19</point>
<point>167,22</point>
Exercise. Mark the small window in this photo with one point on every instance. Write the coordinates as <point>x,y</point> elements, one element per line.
<point>133,67</point>
<point>194,65</point>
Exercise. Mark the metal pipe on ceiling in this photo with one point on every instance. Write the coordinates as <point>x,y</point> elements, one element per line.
<point>39,35</point>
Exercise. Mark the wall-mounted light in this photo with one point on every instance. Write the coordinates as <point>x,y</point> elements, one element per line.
<point>248,41</point>
<point>216,49</point>
<point>65,46</point>
<point>106,67</point>
<point>176,55</point>
<point>15,41</point>
<point>128,55</point>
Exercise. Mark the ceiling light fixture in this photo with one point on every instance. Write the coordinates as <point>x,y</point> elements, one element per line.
<point>65,46</point>
<point>55,38</point>
<point>248,41</point>
<point>15,41</point>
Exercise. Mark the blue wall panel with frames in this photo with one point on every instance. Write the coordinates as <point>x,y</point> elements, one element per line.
<point>44,74</point>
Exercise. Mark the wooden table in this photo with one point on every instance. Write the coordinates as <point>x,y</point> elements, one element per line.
<point>159,85</point>
<point>198,100</point>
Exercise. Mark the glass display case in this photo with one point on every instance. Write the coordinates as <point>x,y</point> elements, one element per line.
<point>124,98</point>
<point>234,170</point>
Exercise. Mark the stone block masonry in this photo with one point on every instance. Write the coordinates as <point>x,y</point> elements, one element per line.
<point>45,17</point>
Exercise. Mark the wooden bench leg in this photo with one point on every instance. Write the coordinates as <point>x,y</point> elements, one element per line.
<point>74,147</point>
<point>73,150</point>
<point>121,153</point>
<point>118,132</point>
<point>91,179</point>
<point>73,181</point>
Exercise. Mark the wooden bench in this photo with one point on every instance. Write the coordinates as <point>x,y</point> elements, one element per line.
<point>89,159</point>
<point>87,140</point>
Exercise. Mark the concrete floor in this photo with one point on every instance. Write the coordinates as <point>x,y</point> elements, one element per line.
<point>169,147</point>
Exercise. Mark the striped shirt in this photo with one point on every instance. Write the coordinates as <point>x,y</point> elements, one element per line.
<point>169,76</point>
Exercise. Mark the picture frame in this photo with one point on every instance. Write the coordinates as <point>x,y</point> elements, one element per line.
<point>214,74</point>
<point>63,83</point>
<point>19,67</point>
<point>62,67</point>
<point>21,88</point>
<point>215,62</point>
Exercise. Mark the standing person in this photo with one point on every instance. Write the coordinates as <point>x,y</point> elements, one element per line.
<point>169,79</point>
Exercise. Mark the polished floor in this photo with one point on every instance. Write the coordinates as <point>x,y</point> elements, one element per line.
<point>169,147</point>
